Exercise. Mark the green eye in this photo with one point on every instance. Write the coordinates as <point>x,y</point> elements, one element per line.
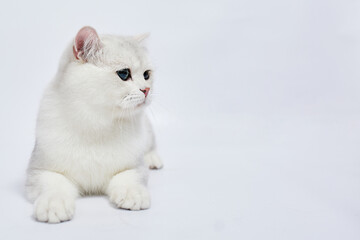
<point>124,74</point>
<point>147,74</point>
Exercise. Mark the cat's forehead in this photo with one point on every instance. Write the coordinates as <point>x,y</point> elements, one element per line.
<point>124,52</point>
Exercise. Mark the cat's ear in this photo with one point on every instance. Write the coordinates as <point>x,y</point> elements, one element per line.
<point>86,44</point>
<point>140,38</point>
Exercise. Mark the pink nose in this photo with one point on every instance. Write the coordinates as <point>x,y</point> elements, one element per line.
<point>145,91</point>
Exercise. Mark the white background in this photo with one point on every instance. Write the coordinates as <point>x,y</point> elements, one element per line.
<point>256,112</point>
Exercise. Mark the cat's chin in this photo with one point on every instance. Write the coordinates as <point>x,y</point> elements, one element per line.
<point>131,111</point>
<point>141,105</point>
<point>134,108</point>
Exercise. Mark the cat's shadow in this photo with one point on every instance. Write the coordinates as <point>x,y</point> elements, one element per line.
<point>18,187</point>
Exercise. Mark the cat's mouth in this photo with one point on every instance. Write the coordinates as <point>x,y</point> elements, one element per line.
<point>132,102</point>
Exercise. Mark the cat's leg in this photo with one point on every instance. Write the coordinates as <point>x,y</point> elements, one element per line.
<point>128,190</point>
<point>53,195</point>
<point>152,160</point>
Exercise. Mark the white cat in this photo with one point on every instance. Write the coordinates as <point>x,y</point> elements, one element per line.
<point>92,134</point>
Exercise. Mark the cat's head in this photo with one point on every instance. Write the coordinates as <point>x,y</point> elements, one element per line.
<point>108,74</point>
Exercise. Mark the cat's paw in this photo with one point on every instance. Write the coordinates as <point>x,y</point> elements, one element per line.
<point>152,160</point>
<point>54,208</point>
<point>135,197</point>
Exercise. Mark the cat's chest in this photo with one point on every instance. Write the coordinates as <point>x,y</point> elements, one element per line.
<point>92,165</point>
<point>113,152</point>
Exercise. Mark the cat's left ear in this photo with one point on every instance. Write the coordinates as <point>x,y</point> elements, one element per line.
<point>140,38</point>
<point>86,44</point>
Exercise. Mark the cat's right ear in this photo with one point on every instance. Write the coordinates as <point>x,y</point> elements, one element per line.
<point>86,44</point>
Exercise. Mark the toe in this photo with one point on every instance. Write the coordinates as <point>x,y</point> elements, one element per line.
<point>52,217</point>
<point>133,198</point>
<point>53,209</point>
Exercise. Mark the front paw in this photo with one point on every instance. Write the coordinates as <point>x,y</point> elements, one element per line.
<point>54,208</point>
<point>152,160</point>
<point>135,197</point>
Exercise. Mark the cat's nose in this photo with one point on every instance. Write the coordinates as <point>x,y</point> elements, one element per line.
<point>145,91</point>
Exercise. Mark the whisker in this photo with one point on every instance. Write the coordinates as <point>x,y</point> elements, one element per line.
<point>152,113</point>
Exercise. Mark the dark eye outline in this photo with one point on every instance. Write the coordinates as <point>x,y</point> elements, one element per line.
<point>147,74</point>
<point>124,74</point>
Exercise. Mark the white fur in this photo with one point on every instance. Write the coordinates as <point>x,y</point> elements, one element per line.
<point>92,133</point>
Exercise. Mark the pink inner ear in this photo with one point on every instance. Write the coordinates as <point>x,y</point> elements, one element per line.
<point>86,34</point>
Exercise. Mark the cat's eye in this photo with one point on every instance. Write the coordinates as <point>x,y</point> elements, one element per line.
<point>147,74</point>
<point>124,74</point>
